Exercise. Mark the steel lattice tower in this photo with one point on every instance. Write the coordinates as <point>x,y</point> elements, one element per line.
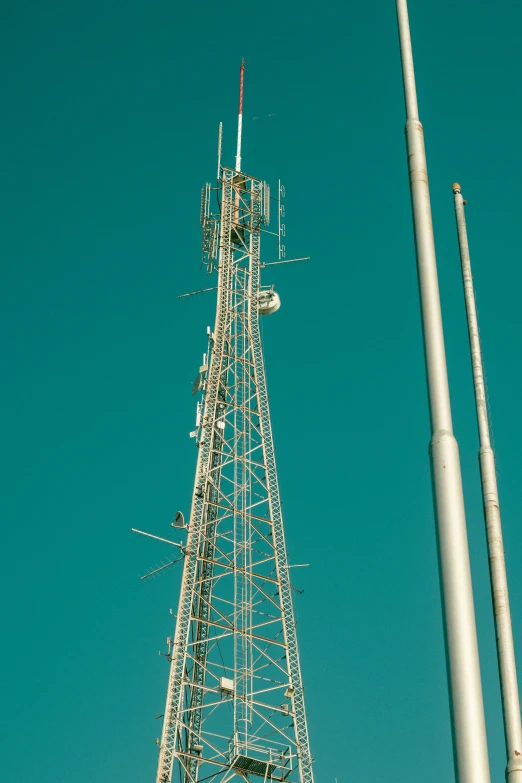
<point>235,706</point>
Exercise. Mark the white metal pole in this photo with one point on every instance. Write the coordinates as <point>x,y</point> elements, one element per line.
<point>467,709</point>
<point>497,563</point>
<point>239,137</point>
<point>240,116</point>
<point>220,144</point>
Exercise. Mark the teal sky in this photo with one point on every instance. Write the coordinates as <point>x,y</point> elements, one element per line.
<point>110,115</point>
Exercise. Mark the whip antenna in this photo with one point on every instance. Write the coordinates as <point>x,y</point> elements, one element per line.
<point>240,115</point>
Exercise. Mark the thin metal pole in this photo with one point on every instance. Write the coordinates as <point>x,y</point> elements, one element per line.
<point>497,563</point>
<point>467,709</point>
<point>240,115</point>
<point>220,144</point>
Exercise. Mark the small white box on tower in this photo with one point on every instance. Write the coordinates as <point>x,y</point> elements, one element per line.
<point>226,686</point>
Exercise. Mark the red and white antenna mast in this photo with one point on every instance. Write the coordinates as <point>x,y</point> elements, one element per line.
<point>240,116</point>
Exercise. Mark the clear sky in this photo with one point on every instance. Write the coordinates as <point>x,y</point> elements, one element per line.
<point>110,114</point>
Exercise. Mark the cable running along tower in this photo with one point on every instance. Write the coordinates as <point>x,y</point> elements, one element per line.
<point>235,705</point>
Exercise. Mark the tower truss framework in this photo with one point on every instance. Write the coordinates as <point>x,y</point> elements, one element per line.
<point>235,705</point>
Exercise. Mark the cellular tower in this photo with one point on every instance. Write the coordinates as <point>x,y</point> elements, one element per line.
<point>235,705</point>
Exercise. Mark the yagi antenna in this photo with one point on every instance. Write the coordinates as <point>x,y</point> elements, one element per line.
<point>161,568</point>
<point>201,291</point>
<point>178,522</point>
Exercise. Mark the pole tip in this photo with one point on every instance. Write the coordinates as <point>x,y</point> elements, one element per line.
<point>455,187</point>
